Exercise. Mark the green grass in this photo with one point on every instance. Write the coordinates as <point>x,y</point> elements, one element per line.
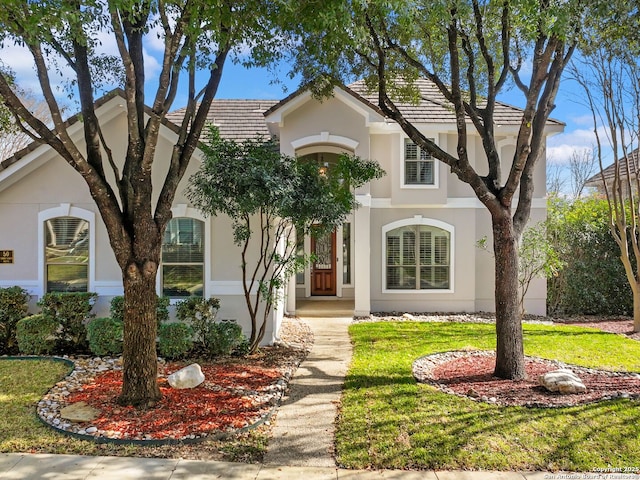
<point>389,421</point>
<point>24,382</point>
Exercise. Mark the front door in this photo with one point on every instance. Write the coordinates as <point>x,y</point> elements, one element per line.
<point>323,269</point>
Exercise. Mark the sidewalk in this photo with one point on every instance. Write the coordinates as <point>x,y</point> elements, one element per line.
<point>16,466</point>
<point>301,446</point>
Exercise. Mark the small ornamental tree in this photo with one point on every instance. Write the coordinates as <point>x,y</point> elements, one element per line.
<point>271,198</point>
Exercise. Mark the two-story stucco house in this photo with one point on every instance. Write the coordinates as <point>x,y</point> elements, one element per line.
<point>410,247</point>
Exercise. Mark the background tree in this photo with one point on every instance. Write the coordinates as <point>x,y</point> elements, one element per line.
<point>610,77</point>
<point>471,50</point>
<point>272,199</point>
<point>592,280</point>
<point>197,36</point>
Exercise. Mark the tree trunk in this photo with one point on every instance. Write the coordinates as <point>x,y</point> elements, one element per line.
<point>636,307</point>
<point>140,362</point>
<point>509,348</point>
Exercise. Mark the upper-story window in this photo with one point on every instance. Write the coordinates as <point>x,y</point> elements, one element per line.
<point>66,254</point>
<point>419,165</point>
<point>183,258</point>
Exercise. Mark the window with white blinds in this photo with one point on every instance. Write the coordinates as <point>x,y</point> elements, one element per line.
<point>418,258</point>
<point>418,165</point>
<point>183,258</point>
<point>66,254</point>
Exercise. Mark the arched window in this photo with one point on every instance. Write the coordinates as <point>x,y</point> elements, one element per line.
<point>66,254</point>
<point>418,256</point>
<point>183,258</point>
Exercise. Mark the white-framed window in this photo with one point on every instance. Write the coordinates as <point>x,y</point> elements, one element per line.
<point>418,256</point>
<point>419,167</point>
<point>66,254</point>
<point>182,268</point>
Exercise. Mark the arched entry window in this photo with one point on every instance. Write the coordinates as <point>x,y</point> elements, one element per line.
<point>183,258</point>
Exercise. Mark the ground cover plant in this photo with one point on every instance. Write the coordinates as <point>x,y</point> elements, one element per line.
<point>388,420</point>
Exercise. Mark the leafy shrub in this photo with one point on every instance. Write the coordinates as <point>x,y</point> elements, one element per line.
<point>593,280</point>
<point>37,334</point>
<point>175,339</point>
<point>162,308</point>
<point>200,313</point>
<point>14,303</point>
<point>226,338</point>
<point>105,336</point>
<point>72,311</point>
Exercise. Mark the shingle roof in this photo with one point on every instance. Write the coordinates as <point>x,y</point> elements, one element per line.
<point>633,162</point>
<point>434,107</point>
<point>236,119</point>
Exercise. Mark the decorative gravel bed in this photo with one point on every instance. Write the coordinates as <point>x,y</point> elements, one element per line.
<point>237,394</point>
<point>470,374</point>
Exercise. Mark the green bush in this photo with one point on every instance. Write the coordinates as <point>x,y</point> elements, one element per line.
<point>162,308</point>
<point>200,313</point>
<point>14,304</point>
<point>72,310</point>
<point>226,338</point>
<point>105,336</point>
<point>37,334</point>
<point>175,339</point>
<point>593,280</point>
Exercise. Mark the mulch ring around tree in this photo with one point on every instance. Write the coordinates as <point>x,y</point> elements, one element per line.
<point>470,374</point>
<point>237,394</point>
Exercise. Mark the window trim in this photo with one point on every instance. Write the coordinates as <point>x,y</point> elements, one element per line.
<point>184,211</point>
<point>66,210</point>
<point>420,221</point>
<point>419,186</point>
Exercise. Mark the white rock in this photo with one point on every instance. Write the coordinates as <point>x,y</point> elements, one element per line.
<point>408,316</point>
<point>563,381</point>
<point>91,430</point>
<point>188,377</point>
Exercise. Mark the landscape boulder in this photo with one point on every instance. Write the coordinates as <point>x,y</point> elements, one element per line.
<point>187,377</point>
<point>563,381</point>
<point>79,412</point>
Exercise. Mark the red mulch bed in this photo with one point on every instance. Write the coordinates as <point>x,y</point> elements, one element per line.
<point>233,396</point>
<point>472,376</point>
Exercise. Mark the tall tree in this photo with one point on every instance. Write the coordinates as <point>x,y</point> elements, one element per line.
<point>197,36</point>
<point>272,199</point>
<point>610,77</point>
<point>471,50</point>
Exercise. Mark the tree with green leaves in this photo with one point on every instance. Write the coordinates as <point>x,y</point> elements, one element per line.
<point>471,50</point>
<point>610,77</point>
<point>271,199</point>
<point>196,38</point>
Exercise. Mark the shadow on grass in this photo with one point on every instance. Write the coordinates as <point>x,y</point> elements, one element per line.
<point>389,421</point>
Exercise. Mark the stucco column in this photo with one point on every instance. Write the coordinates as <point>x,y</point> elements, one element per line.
<point>290,305</point>
<point>362,256</point>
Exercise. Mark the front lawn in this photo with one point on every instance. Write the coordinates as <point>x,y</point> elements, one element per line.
<point>390,421</point>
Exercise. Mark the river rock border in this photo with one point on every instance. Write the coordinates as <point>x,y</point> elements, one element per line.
<point>86,369</point>
<point>423,367</point>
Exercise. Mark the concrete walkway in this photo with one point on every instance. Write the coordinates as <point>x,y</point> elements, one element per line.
<point>301,447</point>
<point>305,423</point>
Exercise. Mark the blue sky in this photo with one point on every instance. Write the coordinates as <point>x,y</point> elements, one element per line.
<point>239,82</point>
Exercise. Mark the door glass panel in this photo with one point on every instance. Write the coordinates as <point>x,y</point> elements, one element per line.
<point>323,251</point>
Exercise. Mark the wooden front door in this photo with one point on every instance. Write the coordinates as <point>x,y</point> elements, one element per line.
<point>323,269</point>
